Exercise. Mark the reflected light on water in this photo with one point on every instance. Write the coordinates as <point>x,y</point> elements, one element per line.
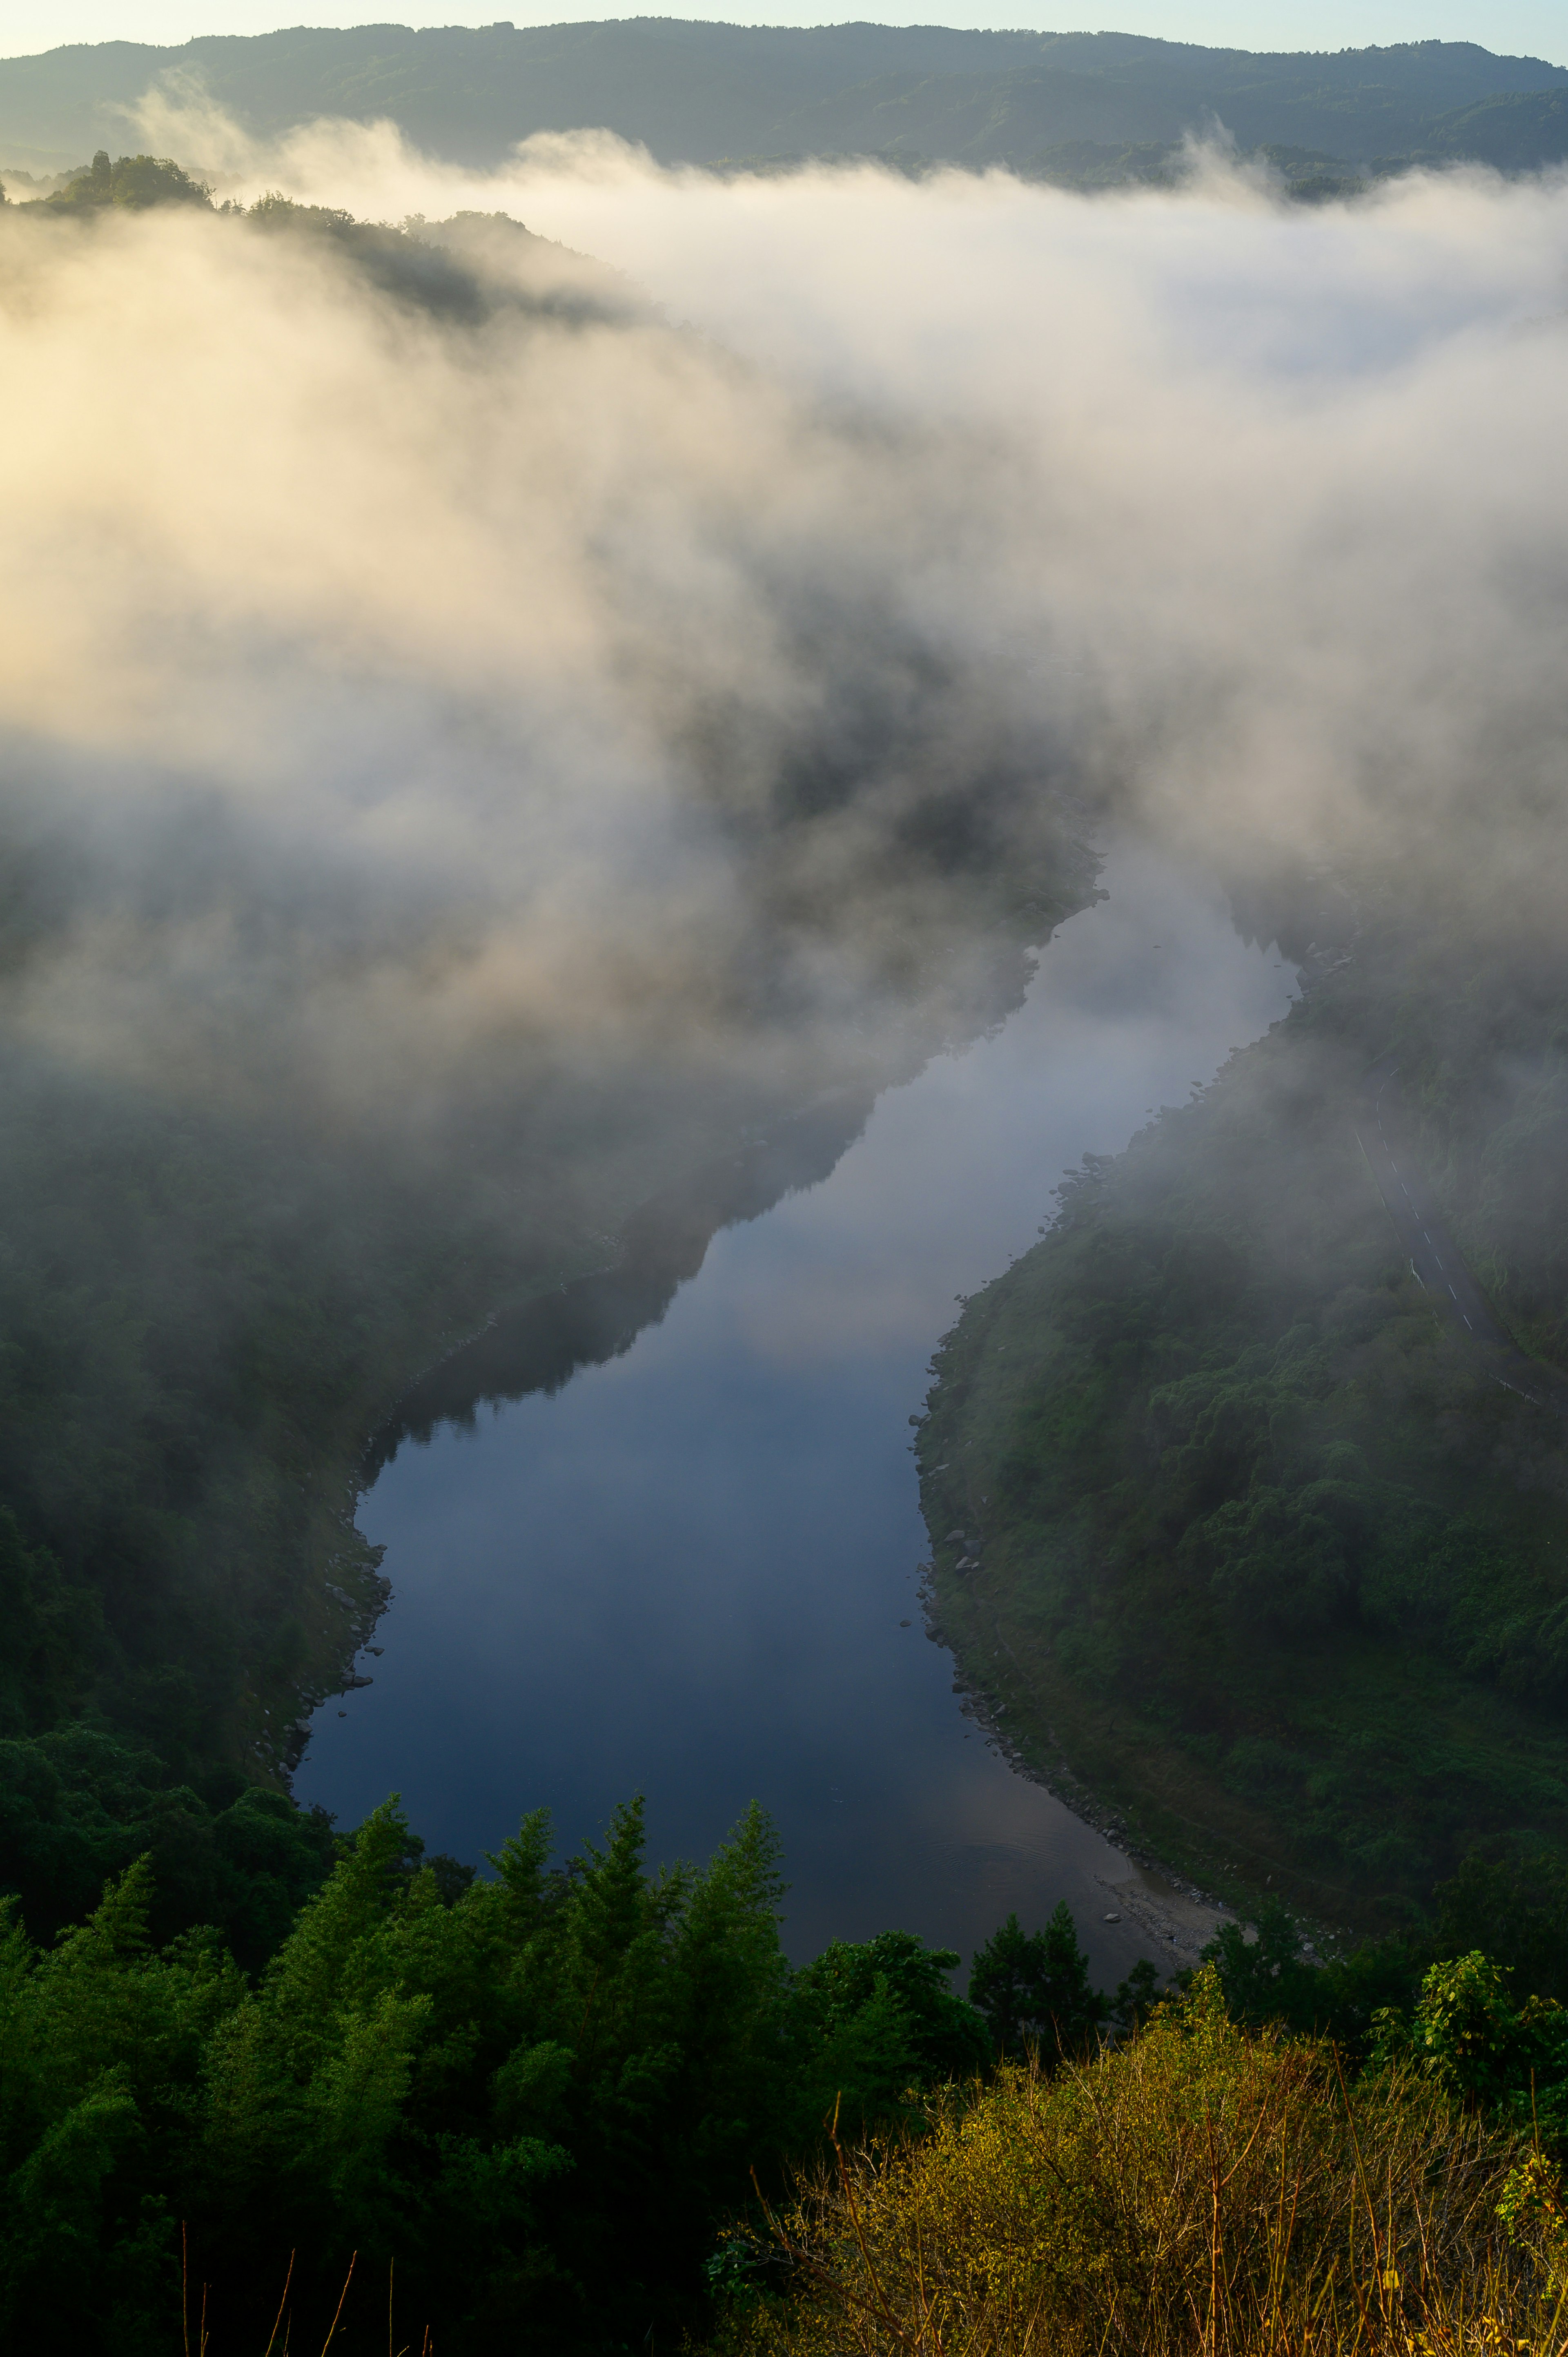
<point>686,1572</point>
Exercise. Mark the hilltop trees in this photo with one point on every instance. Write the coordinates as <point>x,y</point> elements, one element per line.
<point>134,182</point>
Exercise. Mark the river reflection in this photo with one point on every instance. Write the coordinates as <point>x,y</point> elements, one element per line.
<point>689,1570</point>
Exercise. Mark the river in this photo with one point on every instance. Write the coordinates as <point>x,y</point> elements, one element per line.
<point>691,1570</point>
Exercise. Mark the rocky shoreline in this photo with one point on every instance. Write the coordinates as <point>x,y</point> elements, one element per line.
<point>1178,1918</point>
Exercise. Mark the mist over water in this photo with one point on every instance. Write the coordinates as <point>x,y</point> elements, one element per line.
<point>685,1572</point>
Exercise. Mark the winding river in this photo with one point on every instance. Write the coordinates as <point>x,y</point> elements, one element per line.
<point>684,1560</point>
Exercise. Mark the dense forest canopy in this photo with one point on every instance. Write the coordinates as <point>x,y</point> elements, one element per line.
<point>694,92</point>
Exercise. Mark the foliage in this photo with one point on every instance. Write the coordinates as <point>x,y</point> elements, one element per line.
<point>1035,1987</point>
<point>1273,1559</point>
<point>1466,2031</point>
<point>534,2094</point>
<point>1268,1979</point>
<point>879,2017</point>
<point>133,182</point>
<point>1535,2220</point>
<point>1202,2189</point>
<point>78,1804</point>
<point>524,2103</point>
<point>1513,1903</point>
<point>404,264</point>
<point>1488,2025</point>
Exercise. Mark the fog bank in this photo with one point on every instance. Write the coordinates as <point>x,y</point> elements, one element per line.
<point>689,672</point>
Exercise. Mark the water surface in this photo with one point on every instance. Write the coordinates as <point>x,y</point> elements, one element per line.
<point>691,1570</point>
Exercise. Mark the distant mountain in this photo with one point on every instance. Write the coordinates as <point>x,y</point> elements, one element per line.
<point>1516,130</point>
<point>700,93</point>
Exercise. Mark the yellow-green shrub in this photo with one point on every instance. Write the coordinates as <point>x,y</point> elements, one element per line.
<point>1202,2189</point>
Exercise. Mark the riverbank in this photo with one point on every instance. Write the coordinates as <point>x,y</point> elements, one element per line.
<point>1179,1919</point>
<point>1245,1550</point>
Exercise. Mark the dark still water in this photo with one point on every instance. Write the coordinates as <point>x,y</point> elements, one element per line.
<point>691,1570</point>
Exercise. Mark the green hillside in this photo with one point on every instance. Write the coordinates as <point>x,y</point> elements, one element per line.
<point>700,92</point>
<point>1259,1551</point>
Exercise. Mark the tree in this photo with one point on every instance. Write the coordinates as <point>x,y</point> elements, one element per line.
<point>1034,1989</point>
<point>1494,2055</point>
<point>1266,1977</point>
<point>1514,1907</point>
<point>134,182</point>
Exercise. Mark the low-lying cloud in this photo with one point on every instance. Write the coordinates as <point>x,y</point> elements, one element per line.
<point>661,674</point>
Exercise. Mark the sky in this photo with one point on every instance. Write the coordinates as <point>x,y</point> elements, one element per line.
<point>1523,27</point>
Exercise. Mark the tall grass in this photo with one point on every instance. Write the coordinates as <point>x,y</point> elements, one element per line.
<point>1202,2191</point>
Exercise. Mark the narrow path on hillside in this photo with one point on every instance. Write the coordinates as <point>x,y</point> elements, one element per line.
<point>1434,1258</point>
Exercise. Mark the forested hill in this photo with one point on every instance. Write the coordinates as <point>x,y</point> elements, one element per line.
<point>1230,1520</point>
<point>702,92</point>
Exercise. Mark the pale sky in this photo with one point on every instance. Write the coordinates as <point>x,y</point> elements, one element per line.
<point>1528,27</point>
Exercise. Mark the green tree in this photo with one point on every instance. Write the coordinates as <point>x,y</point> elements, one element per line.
<point>1516,1908</point>
<point>1034,1987</point>
<point>1497,2055</point>
<point>135,183</point>
<point>874,2018</point>
<point>535,2093</point>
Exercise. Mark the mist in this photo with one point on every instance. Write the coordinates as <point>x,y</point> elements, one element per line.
<point>386,697</point>
<point>680,666</point>
<point>551,702</point>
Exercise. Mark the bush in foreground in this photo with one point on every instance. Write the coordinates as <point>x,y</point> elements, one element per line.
<point>1202,2189</point>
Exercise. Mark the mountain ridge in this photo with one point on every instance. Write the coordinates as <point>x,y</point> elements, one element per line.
<point>697,93</point>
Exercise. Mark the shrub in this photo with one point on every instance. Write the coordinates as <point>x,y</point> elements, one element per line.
<point>1202,2189</point>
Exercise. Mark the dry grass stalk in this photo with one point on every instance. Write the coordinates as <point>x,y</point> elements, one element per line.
<point>1201,2192</point>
